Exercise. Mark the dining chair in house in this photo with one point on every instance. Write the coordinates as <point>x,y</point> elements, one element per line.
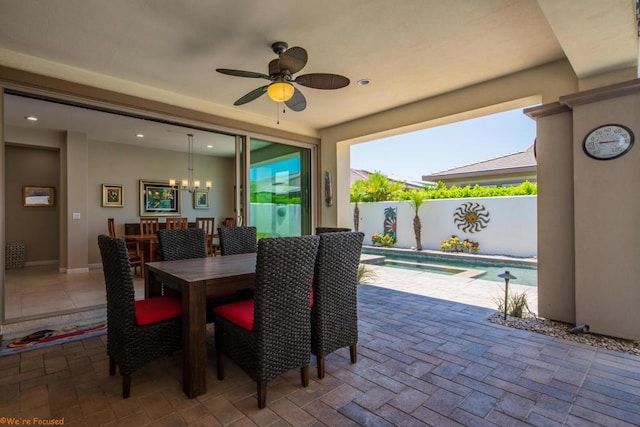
<point>173,223</point>
<point>138,331</point>
<point>228,222</point>
<point>207,224</point>
<point>334,314</point>
<point>149,225</point>
<point>271,334</point>
<point>320,230</point>
<point>136,255</point>
<point>237,240</point>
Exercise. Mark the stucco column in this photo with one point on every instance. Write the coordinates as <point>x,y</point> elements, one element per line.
<point>554,155</point>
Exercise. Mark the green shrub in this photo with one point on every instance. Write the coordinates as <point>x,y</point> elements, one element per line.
<point>517,305</point>
<point>365,274</point>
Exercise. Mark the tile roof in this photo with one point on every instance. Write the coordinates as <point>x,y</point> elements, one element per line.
<point>521,161</point>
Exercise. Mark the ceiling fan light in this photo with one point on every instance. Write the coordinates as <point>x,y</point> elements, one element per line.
<point>280,91</point>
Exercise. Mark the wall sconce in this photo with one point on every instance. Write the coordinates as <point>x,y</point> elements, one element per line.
<point>328,189</point>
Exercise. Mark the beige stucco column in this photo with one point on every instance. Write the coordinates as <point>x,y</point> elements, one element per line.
<point>554,155</point>
<point>588,213</point>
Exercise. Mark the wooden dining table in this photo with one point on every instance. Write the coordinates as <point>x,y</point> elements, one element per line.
<point>195,279</point>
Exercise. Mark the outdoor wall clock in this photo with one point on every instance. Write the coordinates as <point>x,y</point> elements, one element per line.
<point>608,142</point>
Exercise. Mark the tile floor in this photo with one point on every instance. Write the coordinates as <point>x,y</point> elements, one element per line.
<point>423,360</point>
<point>33,291</point>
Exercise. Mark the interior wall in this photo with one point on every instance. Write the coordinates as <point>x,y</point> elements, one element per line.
<point>37,227</point>
<point>126,165</point>
<point>94,163</point>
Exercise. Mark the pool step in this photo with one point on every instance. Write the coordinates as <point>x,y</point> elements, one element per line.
<point>457,271</point>
<point>371,259</point>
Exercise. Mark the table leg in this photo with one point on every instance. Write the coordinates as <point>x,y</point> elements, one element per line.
<point>194,336</point>
<point>152,288</point>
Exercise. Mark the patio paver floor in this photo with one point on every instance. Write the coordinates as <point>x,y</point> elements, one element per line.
<point>422,360</point>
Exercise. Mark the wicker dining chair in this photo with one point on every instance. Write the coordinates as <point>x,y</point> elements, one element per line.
<point>271,334</point>
<point>138,331</point>
<point>178,244</point>
<point>237,240</point>
<point>181,243</point>
<point>320,230</point>
<point>334,317</point>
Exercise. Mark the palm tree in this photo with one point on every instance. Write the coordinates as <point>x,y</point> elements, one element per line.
<point>379,188</point>
<point>358,191</point>
<point>416,198</point>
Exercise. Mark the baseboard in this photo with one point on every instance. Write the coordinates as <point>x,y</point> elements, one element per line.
<point>37,263</point>
<point>77,270</point>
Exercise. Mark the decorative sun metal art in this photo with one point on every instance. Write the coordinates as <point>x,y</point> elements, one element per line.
<point>471,217</point>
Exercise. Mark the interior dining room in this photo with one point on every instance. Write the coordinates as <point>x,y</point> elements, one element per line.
<point>62,158</point>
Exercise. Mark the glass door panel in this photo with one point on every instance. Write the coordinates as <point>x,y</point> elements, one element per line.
<point>279,189</point>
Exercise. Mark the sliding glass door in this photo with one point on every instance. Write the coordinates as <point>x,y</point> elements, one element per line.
<point>279,189</point>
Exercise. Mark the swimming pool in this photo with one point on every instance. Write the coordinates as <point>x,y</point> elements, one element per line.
<point>474,266</point>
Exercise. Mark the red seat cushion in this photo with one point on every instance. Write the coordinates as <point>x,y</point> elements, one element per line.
<point>240,313</point>
<point>158,309</point>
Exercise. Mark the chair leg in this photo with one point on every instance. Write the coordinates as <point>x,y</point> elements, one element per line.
<point>126,386</point>
<point>220,365</point>
<point>262,395</point>
<point>354,353</point>
<point>112,366</point>
<point>304,376</point>
<point>320,363</point>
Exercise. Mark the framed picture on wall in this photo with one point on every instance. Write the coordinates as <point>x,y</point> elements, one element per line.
<point>112,196</point>
<point>158,198</point>
<point>38,196</point>
<point>201,199</point>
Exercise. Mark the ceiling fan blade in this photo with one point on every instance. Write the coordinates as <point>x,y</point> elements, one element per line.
<point>322,81</point>
<point>254,94</point>
<point>240,73</point>
<point>293,60</point>
<point>297,101</point>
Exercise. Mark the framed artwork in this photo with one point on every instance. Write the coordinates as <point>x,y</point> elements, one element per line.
<point>158,198</point>
<point>201,199</point>
<point>38,196</point>
<point>112,196</point>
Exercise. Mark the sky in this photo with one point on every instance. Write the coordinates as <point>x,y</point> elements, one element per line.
<point>414,154</point>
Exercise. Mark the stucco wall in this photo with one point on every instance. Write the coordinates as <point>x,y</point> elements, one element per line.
<point>511,229</point>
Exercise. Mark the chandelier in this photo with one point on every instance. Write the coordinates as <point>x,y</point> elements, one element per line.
<point>190,184</point>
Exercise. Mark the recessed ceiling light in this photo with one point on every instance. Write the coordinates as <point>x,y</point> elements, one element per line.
<point>31,118</point>
<point>209,146</point>
<point>139,135</point>
<point>364,82</point>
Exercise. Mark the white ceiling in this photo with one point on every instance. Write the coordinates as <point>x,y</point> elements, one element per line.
<point>410,50</point>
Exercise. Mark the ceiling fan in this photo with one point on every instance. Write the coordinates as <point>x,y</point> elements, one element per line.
<point>281,71</point>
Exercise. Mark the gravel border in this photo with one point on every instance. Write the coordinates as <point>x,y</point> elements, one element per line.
<point>561,330</point>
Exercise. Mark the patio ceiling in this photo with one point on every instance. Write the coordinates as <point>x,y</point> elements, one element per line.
<point>168,51</point>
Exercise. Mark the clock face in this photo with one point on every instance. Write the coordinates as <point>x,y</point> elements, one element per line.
<point>608,142</point>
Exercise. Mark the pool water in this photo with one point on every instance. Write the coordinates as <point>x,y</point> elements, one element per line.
<point>477,269</point>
